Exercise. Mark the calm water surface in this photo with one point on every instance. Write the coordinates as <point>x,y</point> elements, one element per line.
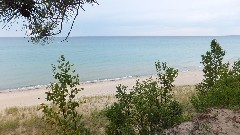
<point>24,64</point>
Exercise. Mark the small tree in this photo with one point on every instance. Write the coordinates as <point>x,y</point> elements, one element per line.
<point>166,76</point>
<point>220,87</point>
<point>214,68</point>
<point>62,115</point>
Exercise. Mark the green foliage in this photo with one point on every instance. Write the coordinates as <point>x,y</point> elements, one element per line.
<point>61,115</point>
<point>147,108</point>
<point>214,68</point>
<point>221,86</point>
<point>42,18</point>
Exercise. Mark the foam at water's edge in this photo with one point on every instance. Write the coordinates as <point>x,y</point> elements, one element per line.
<point>87,82</point>
<point>25,88</point>
<point>82,82</point>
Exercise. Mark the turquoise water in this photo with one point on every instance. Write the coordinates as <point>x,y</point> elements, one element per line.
<point>24,64</point>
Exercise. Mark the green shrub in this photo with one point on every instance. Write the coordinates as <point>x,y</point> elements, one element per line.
<point>147,108</point>
<point>61,115</point>
<point>214,68</point>
<point>221,86</point>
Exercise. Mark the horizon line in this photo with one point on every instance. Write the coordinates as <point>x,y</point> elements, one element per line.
<point>131,36</point>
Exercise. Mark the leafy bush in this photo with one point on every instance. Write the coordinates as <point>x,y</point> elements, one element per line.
<point>221,86</point>
<point>214,68</point>
<point>147,108</point>
<point>61,115</point>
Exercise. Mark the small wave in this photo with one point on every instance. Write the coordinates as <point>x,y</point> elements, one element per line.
<point>26,88</point>
<point>112,79</point>
<point>35,87</point>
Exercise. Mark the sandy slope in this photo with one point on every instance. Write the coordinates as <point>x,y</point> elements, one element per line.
<point>31,97</point>
<point>212,122</point>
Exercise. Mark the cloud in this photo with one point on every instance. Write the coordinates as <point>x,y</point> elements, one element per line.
<point>186,31</point>
<point>163,17</point>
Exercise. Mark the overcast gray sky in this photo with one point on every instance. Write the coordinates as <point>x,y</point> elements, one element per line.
<point>155,18</point>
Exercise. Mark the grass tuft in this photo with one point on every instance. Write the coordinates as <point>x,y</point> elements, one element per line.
<point>12,111</point>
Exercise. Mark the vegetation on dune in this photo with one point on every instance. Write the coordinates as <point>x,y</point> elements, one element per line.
<point>221,85</point>
<point>29,120</point>
<point>17,120</point>
<point>62,115</point>
<point>147,108</point>
<point>213,67</point>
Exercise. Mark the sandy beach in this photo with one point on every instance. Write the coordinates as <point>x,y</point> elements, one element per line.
<point>36,96</point>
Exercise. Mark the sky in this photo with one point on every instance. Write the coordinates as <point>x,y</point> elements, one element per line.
<point>154,18</point>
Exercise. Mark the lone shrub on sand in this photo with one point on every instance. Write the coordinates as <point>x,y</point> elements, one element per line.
<point>61,115</point>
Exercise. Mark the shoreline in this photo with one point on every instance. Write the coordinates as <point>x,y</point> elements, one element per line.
<point>43,86</point>
<point>34,87</point>
<point>35,96</point>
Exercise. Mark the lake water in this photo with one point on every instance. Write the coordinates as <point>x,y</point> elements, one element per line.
<point>23,64</point>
